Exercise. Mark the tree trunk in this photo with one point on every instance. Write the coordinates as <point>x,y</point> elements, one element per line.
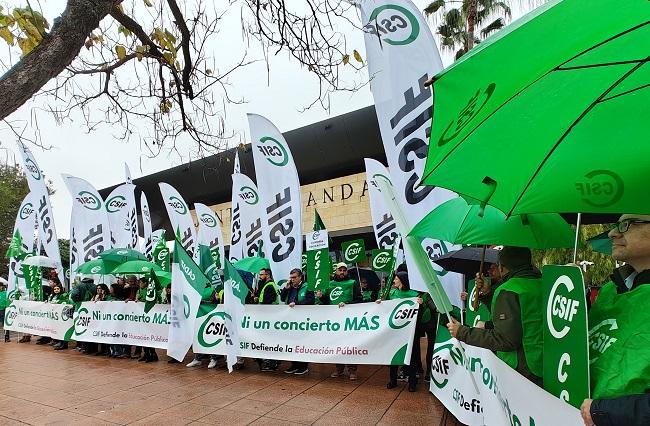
<point>56,51</point>
<point>471,24</point>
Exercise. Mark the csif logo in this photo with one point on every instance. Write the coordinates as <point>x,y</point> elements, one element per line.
<point>186,307</point>
<point>601,188</point>
<point>96,269</point>
<point>336,293</point>
<point>274,152</point>
<point>393,24</point>
<point>31,166</point>
<point>381,260</point>
<point>403,314</point>
<point>82,321</point>
<point>10,315</point>
<point>162,254</point>
<point>213,330</point>
<point>26,211</point>
<point>177,205</point>
<point>208,220</point>
<point>151,290</point>
<point>88,200</point>
<point>249,195</point>
<point>115,204</point>
<point>189,273</point>
<point>352,251</point>
<point>475,104</point>
<point>561,308</point>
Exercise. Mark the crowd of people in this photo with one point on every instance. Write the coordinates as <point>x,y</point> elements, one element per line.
<point>513,295</point>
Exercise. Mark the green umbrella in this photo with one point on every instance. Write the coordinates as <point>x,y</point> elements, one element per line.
<point>163,277</point>
<point>136,267</point>
<point>458,222</point>
<point>601,243</point>
<point>121,255</point>
<point>252,264</point>
<point>550,113</point>
<point>97,266</point>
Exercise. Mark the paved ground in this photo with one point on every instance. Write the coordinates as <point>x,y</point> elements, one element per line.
<point>40,386</point>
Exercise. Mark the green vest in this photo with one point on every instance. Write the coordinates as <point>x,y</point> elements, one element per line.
<point>367,296</point>
<point>619,339</point>
<point>341,291</point>
<point>425,314</point>
<point>275,289</point>
<point>402,294</point>
<point>529,292</point>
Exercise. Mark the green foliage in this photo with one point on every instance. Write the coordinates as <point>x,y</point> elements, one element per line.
<point>13,188</point>
<point>598,273</point>
<point>64,250</point>
<point>23,26</point>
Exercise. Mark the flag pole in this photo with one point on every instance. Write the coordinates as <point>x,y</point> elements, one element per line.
<point>577,240</point>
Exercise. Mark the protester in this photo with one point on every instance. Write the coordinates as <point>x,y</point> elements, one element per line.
<point>517,312</point>
<point>427,325</point>
<point>620,368</point>
<point>485,288</point>
<point>131,289</point>
<point>403,291</point>
<point>58,296</point>
<point>267,294</point>
<point>367,294</point>
<point>342,290</point>
<point>102,294</point>
<point>4,302</point>
<point>295,292</point>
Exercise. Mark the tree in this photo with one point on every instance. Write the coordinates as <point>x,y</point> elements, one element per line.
<point>457,26</point>
<point>124,63</point>
<point>13,188</point>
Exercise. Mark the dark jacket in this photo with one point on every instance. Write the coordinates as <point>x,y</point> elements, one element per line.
<point>290,295</point>
<point>507,332</point>
<point>631,410</point>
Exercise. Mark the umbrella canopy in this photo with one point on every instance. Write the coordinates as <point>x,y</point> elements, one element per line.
<point>252,264</point>
<point>136,267</point>
<point>42,261</point>
<point>97,266</point>
<point>163,277</point>
<point>601,243</point>
<point>121,255</point>
<point>550,114</point>
<point>466,260</point>
<point>459,223</point>
<point>370,276</point>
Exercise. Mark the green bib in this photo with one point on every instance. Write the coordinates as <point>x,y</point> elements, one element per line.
<point>619,342</point>
<point>275,289</point>
<point>402,294</point>
<point>367,296</point>
<point>530,303</point>
<point>341,291</point>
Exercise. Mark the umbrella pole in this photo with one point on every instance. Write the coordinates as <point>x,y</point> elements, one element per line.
<point>356,265</point>
<point>577,240</point>
<point>475,300</point>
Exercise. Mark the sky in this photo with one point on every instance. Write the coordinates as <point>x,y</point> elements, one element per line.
<point>99,157</point>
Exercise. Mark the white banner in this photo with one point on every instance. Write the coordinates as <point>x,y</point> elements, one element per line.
<point>250,210</point>
<point>179,216</point>
<point>120,206</point>
<point>89,219</point>
<point>504,397</point>
<point>236,251</point>
<point>279,190</point>
<point>148,243</point>
<point>317,240</point>
<point>46,230</point>
<point>26,225</point>
<point>367,333</point>
<point>402,55</point>
<point>40,319</point>
<point>383,222</point>
<point>122,323</point>
<point>209,230</point>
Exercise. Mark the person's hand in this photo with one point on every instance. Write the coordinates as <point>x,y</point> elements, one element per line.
<point>341,304</point>
<point>419,300</point>
<point>378,301</point>
<point>287,285</point>
<point>256,299</point>
<point>292,304</point>
<point>453,327</point>
<point>463,296</point>
<point>480,324</point>
<point>585,412</point>
<point>319,294</point>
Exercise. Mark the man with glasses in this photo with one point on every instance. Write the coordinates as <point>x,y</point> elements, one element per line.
<point>294,293</point>
<point>619,333</point>
<point>267,294</point>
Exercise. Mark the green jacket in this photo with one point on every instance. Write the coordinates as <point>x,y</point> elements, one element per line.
<point>517,333</point>
<point>4,302</point>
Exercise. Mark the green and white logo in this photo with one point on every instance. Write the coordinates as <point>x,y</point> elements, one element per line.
<point>115,204</point>
<point>208,220</point>
<point>82,321</point>
<point>89,200</point>
<point>162,254</point>
<point>186,307</point>
<point>601,188</point>
<point>274,152</point>
<point>213,330</point>
<point>335,293</point>
<point>403,314</point>
<point>95,269</point>
<point>381,260</point>
<point>32,168</point>
<point>26,211</point>
<point>561,308</point>
<point>151,289</point>
<point>353,251</point>
<point>177,204</point>
<point>474,105</point>
<point>10,315</point>
<point>393,24</point>
<point>249,195</point>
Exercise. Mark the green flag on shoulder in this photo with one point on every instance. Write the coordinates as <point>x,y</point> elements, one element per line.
<point>235,292</point>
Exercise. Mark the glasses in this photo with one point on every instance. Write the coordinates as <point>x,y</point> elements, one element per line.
<point>624,225</point>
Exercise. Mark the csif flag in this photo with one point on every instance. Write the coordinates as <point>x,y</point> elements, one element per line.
<point>179,216</point>
<point>147,244</point>
<point>318,261</point>
<point>188,284</point>
<point>21,244</point>
<point>251,219</point>
<point>235,292</point>
<point>160,255</point>
<point>121,210</point>
<point>210,232</point>
<point>236,233</point>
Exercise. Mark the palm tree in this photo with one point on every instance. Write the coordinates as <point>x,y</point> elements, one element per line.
<point>458,21</point>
